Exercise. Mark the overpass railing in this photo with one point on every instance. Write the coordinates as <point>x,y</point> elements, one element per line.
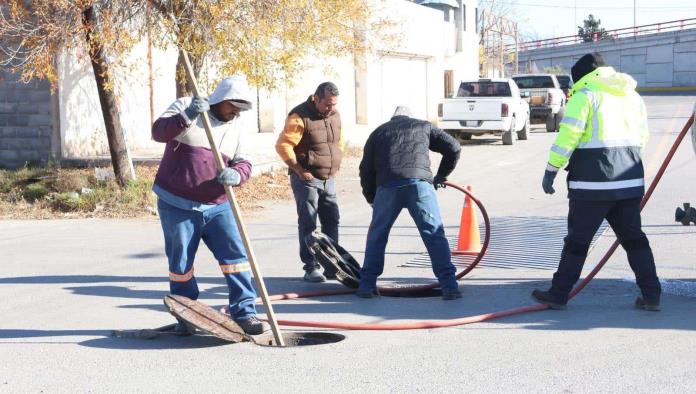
<point>616,34</point>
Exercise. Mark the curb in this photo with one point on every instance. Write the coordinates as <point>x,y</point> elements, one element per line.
<point>668,89</point>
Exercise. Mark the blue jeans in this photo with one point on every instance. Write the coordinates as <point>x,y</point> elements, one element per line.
<point>314,198</point>
<point>183,231</point>
<point>420,200</point>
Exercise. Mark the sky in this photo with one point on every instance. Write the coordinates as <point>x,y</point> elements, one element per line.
<point>541,19</point>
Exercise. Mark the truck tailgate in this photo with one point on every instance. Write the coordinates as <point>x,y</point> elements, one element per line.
<point>536,96</point>
<point>471,109</point>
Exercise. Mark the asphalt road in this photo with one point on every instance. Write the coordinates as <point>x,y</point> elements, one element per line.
<point>66,284</point>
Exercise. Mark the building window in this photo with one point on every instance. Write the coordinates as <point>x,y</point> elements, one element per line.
<point>464,17</point>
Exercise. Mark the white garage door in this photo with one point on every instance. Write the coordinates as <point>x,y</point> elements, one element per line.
<point>404,82</point>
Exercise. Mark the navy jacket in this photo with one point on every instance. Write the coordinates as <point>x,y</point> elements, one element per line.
<point>399,149</point>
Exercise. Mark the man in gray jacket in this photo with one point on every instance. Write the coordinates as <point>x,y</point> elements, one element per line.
<point>395,174</point>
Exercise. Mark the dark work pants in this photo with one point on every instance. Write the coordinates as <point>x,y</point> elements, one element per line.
<point>315,198</point>
<point>584,218</point>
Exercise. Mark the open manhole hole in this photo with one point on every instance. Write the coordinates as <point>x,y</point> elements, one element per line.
<point>292,339</point>
<point>412,294</point>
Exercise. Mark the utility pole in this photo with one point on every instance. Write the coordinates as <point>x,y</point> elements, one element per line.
<point>517,50</point>
<point>634,13</point>
<point>634,19</point>
<point>575,20</point>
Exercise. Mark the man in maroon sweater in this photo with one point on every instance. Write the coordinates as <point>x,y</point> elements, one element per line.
<point>192,203</point>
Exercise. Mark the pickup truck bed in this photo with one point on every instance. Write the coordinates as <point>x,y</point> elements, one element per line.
<point>485,106</point>
<point>545,97</point>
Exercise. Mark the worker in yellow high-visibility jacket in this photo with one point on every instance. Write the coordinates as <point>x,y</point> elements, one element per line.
<point>601,137</point>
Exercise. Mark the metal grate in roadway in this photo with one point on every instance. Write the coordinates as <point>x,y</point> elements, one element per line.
<point>517,242</point>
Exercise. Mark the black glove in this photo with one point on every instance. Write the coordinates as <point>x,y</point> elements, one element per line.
<point>439,181</point>
<point>547,182</point>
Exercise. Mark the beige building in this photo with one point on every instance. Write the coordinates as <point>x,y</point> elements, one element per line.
<point>438,45</point>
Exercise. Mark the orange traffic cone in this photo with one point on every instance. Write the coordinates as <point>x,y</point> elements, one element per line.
<point>469,241</point>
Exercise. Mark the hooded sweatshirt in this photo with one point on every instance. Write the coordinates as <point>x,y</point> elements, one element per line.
<point>188,168</point>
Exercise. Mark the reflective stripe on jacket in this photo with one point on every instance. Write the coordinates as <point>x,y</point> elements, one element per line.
<point>601,136</point>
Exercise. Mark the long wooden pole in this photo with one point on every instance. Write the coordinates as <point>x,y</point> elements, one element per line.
<point>235,210</point>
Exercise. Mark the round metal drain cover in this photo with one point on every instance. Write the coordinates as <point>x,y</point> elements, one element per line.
<point>300,338</point>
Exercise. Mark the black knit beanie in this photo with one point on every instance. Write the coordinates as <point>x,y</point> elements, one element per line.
<point>586,65</point>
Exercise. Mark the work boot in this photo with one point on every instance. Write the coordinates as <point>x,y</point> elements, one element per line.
<point>314,276</point>
<point>545,297</point>
<point>451,294</point>
<point>652,306</point>
<point>253,326</point>
<point>367,293</point>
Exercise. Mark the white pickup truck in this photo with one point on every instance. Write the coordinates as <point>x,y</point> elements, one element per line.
<point>485,106</point>
<point>545,97</point>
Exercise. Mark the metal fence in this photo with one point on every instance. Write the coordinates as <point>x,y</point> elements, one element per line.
<point>616,34</point>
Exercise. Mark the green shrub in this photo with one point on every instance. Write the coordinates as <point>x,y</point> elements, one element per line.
<point>34,191</point>
<point>65,202</point>
<point>5,181</point>
<point>66,181</point>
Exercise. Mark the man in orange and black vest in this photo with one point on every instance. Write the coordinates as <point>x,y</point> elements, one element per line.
<point>311,145</point>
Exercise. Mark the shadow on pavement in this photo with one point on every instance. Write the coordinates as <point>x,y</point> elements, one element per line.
<point>9,333</point>
<point>481,141</point>
<point>109,342</point>
<point>146,255</point>
<point>605,303</point>
<point>162,342</point>
<point>65,279</point>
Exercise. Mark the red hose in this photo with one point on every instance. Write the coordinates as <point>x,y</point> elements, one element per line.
<point>644,201</point>
<point>424,324</point>
<point>407,289</point>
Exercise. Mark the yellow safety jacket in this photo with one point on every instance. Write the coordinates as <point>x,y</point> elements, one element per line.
<point>601,136</point>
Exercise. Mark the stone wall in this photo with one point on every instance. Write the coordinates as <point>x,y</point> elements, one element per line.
<point>26,122</point>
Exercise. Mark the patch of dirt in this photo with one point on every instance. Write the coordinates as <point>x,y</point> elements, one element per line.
<point>269,186</point>
<point>60,193</point>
